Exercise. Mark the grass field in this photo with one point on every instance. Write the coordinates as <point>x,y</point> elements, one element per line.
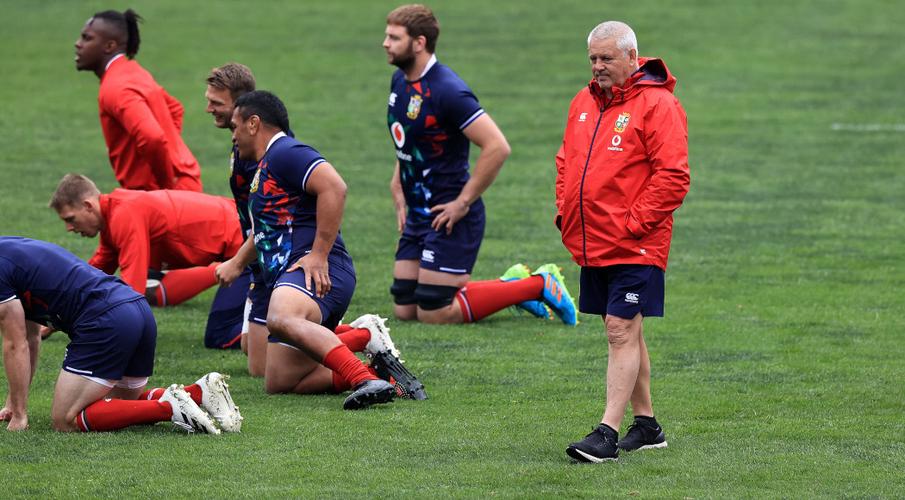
<point>778,369</point>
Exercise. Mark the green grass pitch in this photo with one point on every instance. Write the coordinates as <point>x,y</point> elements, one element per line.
<point>778,369</point>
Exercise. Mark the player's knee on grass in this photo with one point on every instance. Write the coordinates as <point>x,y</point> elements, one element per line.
<point>434,302</point>
<point>404,292</point>
<point>433,297</point>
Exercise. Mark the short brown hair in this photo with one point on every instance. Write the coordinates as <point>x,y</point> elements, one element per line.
<point>418,21</point>
<point>235,77</point>
<point>72,190</point>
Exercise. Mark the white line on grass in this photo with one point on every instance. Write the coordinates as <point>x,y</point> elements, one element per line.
<point>869,127</point>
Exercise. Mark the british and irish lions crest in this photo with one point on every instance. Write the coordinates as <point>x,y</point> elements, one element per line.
<point>622,122</point>
<point>414,107</point>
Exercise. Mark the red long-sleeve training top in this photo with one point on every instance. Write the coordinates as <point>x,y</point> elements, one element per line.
<point>142,126</point>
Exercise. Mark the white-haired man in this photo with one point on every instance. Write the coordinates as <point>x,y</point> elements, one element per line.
<point>621,172</point>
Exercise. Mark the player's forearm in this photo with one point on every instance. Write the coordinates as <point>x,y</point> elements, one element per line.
<point>486,169</point>
<point>247,253</point>
<point>33,337</point>
<point>16,361</point>
<point>329,218</point>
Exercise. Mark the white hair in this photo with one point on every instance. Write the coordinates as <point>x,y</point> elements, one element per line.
<point>621,32</point>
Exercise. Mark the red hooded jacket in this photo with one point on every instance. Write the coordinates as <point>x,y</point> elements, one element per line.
<point>622,170</point>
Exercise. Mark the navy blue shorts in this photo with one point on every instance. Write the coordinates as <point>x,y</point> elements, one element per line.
<point>259,295</point>
<point>117,343</point>
<point>224,321</point>
<point>622,290</point>
<point>455,253</point>
<point>333,305</point>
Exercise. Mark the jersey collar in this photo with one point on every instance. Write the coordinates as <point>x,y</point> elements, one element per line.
<point>117,56</point>
<point>274,139</point>
<point>428,66</point>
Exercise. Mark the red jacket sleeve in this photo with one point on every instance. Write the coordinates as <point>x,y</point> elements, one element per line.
<point>560,181</point>
<point>176,110</point>
<point>133,113</point>
<point>105,256</point>
<point>132,237</point>
<point>666,142</point>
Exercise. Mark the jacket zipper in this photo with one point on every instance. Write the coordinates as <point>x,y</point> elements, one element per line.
<point>584,239</point>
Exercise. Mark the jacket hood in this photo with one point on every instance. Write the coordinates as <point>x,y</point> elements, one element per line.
<point>652,72</point>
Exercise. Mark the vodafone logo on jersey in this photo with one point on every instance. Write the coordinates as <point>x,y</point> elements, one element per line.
<point>398,134</point>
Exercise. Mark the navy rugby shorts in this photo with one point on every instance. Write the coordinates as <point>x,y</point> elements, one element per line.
<point>622,290</point>
<point>118,343</point>
<point>333,305</point>
<point>455,253</point>
<point>259,295</point>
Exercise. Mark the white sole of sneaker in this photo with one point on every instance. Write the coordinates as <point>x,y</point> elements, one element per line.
<point>592,458</point>
<point>652,446</point>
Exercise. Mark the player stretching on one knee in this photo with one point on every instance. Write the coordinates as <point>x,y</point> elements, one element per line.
<point>433,116</point>
<point>112,333</point>
<point>180,232</point>
<point>296,202</point>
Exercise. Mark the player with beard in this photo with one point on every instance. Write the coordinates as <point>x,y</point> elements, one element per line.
<point>141,122</point>
<point>433,117</point>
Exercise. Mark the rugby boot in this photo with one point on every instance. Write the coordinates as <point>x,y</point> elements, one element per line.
<point>556,295</point>
<point>216,400</point>
<point>187,415</point>
<point>389,368</point>
<point>535,308</point>
<point>369,392</point>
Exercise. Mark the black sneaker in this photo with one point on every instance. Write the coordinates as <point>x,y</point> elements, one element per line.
<point>598,446</point>
<point>642,435</point>
<point>389,368</point>
<point>368,393</point>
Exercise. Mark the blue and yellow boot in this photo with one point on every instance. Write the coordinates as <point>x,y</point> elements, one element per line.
<point>535,308</point>
<point>556,295</point>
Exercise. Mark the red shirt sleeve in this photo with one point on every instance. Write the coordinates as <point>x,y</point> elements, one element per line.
<point>666,141</point>
<point>105,256</point>
<point>133,113</point>
<point>176,110</point>
<point>560,182</point>
<point>131,235</point>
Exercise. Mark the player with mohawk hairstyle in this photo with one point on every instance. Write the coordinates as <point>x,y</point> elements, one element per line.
<point>141,122</point>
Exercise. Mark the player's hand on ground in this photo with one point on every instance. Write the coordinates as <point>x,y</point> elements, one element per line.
<point>227,272</point>
<point>448,214</point>
<point>317,276</point>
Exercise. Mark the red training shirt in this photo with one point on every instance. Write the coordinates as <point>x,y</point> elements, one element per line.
<point>164,230</point>
<point>142,124</point>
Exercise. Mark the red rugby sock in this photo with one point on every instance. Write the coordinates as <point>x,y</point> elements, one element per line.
<point>479,299</point>
<point>181,285</point>
<point>355,338</point>
<point>113,414</point>
<point>343,362</point>
<point>194,391</point>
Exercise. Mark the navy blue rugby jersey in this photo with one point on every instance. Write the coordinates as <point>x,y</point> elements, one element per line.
<point>56,288</point>
<point>284,215</point>
<point>426,119</point>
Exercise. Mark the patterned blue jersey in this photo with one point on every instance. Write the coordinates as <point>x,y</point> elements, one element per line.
<point>283,214</point>
<point>56,288</point>
<point>241,173</point>
<point>426,119</point>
